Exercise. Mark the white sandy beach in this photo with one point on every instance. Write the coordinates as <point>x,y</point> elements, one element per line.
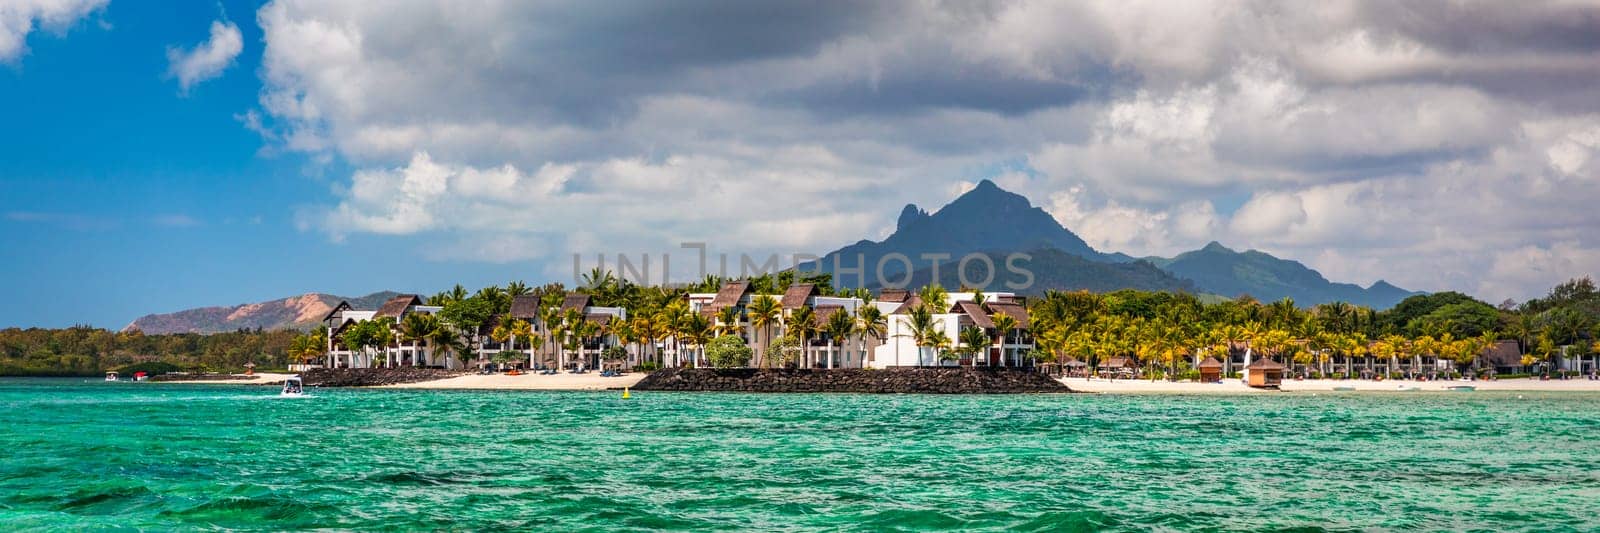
<point>1233,386</point>
<point>563,381</point>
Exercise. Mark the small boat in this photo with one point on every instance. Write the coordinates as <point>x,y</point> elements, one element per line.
<point>111,376</point>
<point>1345,388</point>
<point>1404,388</point>
<point>292,387</point>
<point>140,376</point>
<point>1461,388</point>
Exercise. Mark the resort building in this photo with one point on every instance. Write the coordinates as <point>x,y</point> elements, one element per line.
<point>396,353</point>
<point>1010,348</point>
<point>820,349</point>
<point>590,349</point>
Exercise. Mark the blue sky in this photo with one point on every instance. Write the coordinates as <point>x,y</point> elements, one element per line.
<point>413,145</point>
<point>123,196</point>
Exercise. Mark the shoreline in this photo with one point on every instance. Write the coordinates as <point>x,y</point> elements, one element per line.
<point>594,382</point>
<point>1233,386</point>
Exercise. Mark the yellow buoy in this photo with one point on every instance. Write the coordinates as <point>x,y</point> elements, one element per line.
<point>625,394</point>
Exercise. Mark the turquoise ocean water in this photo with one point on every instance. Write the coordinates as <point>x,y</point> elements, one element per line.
<point>83,454</point>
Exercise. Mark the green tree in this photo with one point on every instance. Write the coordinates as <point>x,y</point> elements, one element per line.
<point>728,351</point>
<point>764,312</point>
<point>974,342</point>
<point>840,327</point>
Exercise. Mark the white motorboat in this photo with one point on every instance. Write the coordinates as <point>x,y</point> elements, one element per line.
<point>111,376</point>
<point>293,387</point>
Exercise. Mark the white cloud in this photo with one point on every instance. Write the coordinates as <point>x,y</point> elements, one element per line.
<point>1368,140</point>
<point>206,60</point>
<point>18,18</point>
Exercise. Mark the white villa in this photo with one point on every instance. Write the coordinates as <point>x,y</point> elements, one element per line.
<point>959,311</point>
<point>896,348</point>
<point>401,354</point>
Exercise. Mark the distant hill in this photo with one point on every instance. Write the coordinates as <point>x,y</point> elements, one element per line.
<point>1220,270</point>
<point>993,221</point>
<point>1054,269</point>
<point>985,219</point>
<point>295,312</point>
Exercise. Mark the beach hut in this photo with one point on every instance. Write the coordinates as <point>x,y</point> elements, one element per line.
<point>1075,368</point>
<point>1265,372</point>
<point>1210,370</point>
<point>1117,367</point>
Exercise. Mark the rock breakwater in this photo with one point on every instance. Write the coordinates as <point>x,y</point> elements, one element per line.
<point>886,381</point>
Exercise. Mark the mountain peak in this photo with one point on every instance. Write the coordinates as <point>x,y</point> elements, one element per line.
<point>910,215</point>
<point>1215,246</point>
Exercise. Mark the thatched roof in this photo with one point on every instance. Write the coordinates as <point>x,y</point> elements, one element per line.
<point>1265,364</point>
<point>823,313</point>
<point>796,296</point>
<point>343,306</point>
<point>730,294</point>
<point>1503,353</point>
<point>979,317</point>
<point>397,306</point>
<point>893,295</point>
<point>525,306</point>
<point>910,303</point>
<point>1118,362</point>
<point>1012,310</point>
<point>576,300</point>
<point>1211,362</point>
<point>1074,362</point>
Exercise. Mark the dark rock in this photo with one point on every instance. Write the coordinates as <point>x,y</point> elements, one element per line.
<point>887,381</point>
<point>371,377</point>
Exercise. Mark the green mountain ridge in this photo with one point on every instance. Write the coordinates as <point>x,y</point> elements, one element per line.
<point>1224,271</point>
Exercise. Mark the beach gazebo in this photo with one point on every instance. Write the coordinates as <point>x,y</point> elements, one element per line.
<point>1120,367</point>
<point>1075,368</point>
<point>1210,370</point>
<point>1265,372</point>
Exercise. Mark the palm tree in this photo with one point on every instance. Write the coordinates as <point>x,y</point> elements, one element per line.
<point>696,331</point>
<point>1003,325</point>
<point>974,341</point>
<point>523,330</point>
<point>501,334</point>
<point>840,325</point>
<point>445,340</point>
<point>923,327</point>
<point>551,318</point>
<point>728,321</point>
<point>764,312</point>
<point>383,336</point>
<point>802,324</point>
<point>940,344</point>
<point>870,322</point>
<point>417,327</point>
<point>933,295</point>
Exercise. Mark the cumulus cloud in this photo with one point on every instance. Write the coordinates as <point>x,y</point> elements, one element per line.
<point>18,18</point>
<point>206,60</point>
<point>1412,142</point>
